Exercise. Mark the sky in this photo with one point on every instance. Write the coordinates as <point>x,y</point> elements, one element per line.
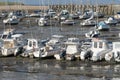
<point>47,2</point>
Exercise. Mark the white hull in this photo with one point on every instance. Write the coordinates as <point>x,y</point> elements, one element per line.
<point>8,52</point>
<point>49,53</point>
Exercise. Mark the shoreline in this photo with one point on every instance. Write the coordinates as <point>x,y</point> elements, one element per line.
<point>22,7</point>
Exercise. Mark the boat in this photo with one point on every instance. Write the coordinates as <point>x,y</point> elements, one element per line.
<point>42,21</point>
<point>117,16</point>
<point>89,21</point>
<point>11,20</point>
<point>10,47</point>
<point>31,49</point>
<point>87,14</point>
<point>92,34</point>
<point>99,48</point>
<point>114,55</point>
<point>56,40</point>
<point>63,15</point>
<point>50,13</point>
<point>68,22</point>
<point>50,51</point>
<point>7,33</point>
<point>36,13</point>
<point>102,26</point>
<point>71,51</point>
<point>111,21</point>
<point>3,14</point>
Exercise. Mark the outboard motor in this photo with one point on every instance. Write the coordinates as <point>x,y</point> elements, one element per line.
<point>86,55</point>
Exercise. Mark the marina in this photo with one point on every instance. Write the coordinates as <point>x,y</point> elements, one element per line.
<point>50,44</point>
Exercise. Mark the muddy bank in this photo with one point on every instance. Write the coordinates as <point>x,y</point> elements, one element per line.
<point>57,70</point>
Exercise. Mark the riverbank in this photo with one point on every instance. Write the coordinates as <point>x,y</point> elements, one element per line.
<point>22,7</point>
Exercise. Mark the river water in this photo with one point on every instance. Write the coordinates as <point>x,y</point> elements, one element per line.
<point>17,68</point>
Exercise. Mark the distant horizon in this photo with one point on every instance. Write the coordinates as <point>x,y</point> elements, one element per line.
<point>52,2</point>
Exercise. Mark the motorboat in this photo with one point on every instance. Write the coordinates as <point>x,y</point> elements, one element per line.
<point>10,34</point>
<point>56,40</point>
<point>3,14</point>
<point>92,34</point>
<point>31,48</point>
<point>71,51</point>
<point>102,26</point>
<point>117,16</point>
<point>36,13</point>
<point>7,33</point>
<point>114,55</point>
<point>51,13</point>
<point>10,47</point>
<point>87,14</point>
<point>42,21</point>
<point>63,15</point>
<point>12,20</point>
<point>97,52</point>
<point>111,21</point>
<point>20,14</point>
<point>68,22</point>
<point>50,51</point>
<point>89,21</point>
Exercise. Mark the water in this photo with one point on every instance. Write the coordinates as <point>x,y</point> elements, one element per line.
<point>35,69</point>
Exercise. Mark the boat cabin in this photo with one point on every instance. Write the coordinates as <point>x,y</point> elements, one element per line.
<point>31,44</point>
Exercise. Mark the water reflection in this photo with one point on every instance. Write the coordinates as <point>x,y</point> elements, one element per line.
<point>37,69</point>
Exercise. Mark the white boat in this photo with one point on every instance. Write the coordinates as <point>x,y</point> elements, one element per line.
<point>102,26</point>
<point>3,14</point>
<point>12,20</point>
<point>114,55</point>
<point>92,34</point>
<point>89,21</point>
<point>68,22</point>
<point>63,15</point>
<point>97,52</point>
<point>36,13</point>
<point>31,49</point>
<point>99,49</point>
<point>34,50</point>
<point>87,14</point>
<point>42,22</point>
<point>10,47</point>
<point>111,21</point>
<point>117,16</point>
<point>72,50</point>
<point>51,12</point>
<point>7,33</point>
<point>49,51</point>
<point>10,34</point>
<point>55,39</point>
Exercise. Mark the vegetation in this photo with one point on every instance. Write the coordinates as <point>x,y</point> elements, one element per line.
<point>11,3</point>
